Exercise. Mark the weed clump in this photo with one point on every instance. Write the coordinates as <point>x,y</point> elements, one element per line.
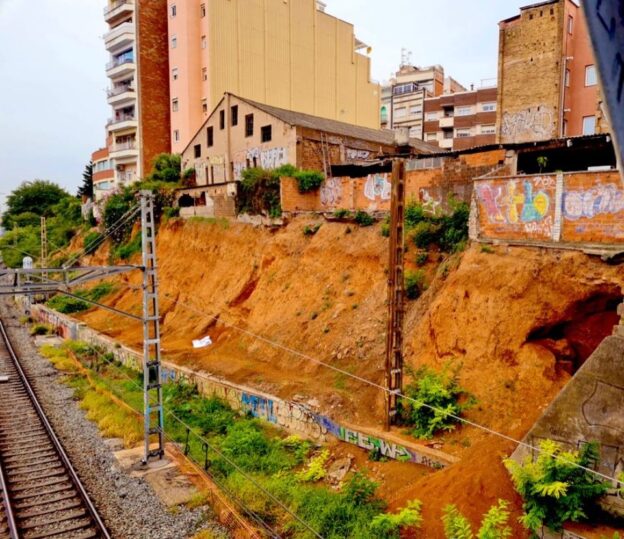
<point>435,401</point>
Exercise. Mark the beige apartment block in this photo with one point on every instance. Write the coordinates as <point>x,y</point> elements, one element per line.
<point>286,53</point>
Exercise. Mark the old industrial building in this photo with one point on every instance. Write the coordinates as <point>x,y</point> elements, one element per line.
<point>241,133</point>
<point>547,83</point>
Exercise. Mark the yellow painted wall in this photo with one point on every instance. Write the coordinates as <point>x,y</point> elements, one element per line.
<point>284,53</point>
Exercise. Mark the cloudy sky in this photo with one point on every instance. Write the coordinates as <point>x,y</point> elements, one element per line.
<point>52,92</point>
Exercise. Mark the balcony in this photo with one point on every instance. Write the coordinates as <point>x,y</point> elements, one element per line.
<point>121,95</point>
<point>126,151</point>
<point>446,143</point>
<point>120,68</point>
<point>118,8</point>
<point>120,37</point>
<point>123,121</point>
<point>446,122</point>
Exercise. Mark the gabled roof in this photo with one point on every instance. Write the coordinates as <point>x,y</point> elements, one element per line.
<point>334,127</point>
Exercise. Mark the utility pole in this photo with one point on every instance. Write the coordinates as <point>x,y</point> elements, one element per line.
<point>152,382</point>
<point>43,263</point>
<point>396,294</point>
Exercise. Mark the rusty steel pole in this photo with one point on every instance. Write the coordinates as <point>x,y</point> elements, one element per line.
<point>396,295</point>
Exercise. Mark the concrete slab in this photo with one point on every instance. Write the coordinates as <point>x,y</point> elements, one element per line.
<point>169,483</point>
<point>48,340</point>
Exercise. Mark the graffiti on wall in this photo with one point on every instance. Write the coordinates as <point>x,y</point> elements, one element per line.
<point>430,203</point>
<point>357,155</point>
<point>331,192</point>
<point>607,199</point>
<point>269,158</point>
<point>525,203</point>
<point>532,124</point>
<point>377,187</point>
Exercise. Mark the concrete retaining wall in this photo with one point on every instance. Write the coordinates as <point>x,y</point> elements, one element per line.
<point>292,416</point>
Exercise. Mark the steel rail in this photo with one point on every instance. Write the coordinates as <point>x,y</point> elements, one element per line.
<point>80,489</point>
<point>8,509</point>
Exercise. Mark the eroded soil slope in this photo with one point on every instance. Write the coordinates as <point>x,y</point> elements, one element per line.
<point>518,320</point>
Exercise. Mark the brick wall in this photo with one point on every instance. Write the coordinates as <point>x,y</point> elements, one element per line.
<point>432,187</point>
<point>529,79</point>
<point>153,80</point>
<point>572,208</point>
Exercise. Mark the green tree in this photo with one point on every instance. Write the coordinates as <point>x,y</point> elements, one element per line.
<point>493,526</point>
<point>86,189</point>
<point>556,487</point>
<point>166,168</point>
<point>37,197</point>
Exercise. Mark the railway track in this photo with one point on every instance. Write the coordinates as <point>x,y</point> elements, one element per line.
<point>41,495</point>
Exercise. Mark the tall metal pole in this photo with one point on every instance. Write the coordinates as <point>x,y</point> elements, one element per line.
<point>44,246</point>
<point>152,388</point>
<point>396,295</point>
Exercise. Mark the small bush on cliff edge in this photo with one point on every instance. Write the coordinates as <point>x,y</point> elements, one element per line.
<point>493,526</point>
<point>554,487</point>
<point>435,401</point>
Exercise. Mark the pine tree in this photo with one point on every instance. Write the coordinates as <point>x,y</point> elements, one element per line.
<point>86,189</point>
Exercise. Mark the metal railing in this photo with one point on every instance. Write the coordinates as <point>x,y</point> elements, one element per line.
<point>121,118</point>
<point>120,146</point>
<point>117,90</point>
<point>118,62</point>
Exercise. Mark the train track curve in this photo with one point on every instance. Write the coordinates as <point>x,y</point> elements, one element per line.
<point>41,495</point>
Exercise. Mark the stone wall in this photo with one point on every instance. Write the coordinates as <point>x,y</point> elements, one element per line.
<point>573,208</point>
<point>299,418</point>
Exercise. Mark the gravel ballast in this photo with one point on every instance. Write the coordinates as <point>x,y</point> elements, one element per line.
<point>128,505</point>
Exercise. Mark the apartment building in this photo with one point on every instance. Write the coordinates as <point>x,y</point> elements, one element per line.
<point>403,97</point>
<point>547,83</point>
<point>138,92</point>
<point>461,120</point>
<point>288,54</point>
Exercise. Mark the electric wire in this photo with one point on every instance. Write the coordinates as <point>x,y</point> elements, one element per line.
<point>212,447</point>
<point>344,372</point>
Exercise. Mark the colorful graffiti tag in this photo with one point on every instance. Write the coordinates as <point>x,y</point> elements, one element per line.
<point>331,192</point>
<point>525,204</point>
<point>530,124</point>
<point>597,200</point>
<point>377,187</point>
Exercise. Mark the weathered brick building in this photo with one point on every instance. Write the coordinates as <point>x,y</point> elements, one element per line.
<point>547,85</point>
<point>241,134</point>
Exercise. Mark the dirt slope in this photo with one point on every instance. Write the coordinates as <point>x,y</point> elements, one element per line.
<point>516,319</point>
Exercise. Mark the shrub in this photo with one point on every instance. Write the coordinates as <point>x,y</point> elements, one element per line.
<point>115,208</point>
<point>454,227</point>
<point>311,230</point>
<point>127,250</point>
<point>388,525</point>
<point>421,258</point>
<point>342,214</point>
<point>363,219</point>
<point>493,526</point>
<point>259,192</point>
<point>308,180</point>
<point>92,241</point>
<point>170,212</point>
<point>67,304</point>
<point>554,488</point>
<point>315,470</point>
<point>437,401</point>
<point>41,329</point>
<point>425,233</point>
<point>414,283</point>
<point>414,214</point>
<point>487,249</point>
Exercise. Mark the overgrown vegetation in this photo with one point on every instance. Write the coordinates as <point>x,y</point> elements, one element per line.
<point>69,305</point>
<point>493,526</point>
<point>285,467</point>
<point>92,241</point>
<point>363,218</point>
<point>435,400</point>
<point>415,283</point>
<point>553,486</point>
<point>311,230</point>
<point>424,228</point>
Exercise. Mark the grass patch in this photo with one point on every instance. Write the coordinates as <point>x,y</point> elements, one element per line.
<point>41,329</point>
<point>222,221</point>
<point>69,305</point>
